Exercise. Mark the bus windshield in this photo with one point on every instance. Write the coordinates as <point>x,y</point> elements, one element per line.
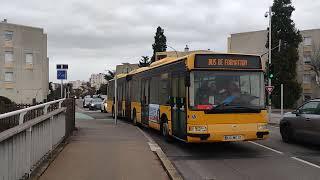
<point>210,89</point>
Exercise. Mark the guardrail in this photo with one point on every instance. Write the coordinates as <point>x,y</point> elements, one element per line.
<point>25,146</point>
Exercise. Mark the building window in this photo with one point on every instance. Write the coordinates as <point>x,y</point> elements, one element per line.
<point>8,35</point>
<point>307,41</point>
<point>8,76</point>
<point>307,59</point>
<point>306,78</point>
<point>8,57</point>
<point>29,59</point>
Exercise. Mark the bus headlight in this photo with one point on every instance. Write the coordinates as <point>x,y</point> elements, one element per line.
<point>198,128</point>
<point>262,127</point>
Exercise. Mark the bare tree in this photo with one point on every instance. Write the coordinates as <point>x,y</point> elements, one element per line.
<point>315,62</point>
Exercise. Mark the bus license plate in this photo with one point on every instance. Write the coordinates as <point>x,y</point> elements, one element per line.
<point>233,138</point>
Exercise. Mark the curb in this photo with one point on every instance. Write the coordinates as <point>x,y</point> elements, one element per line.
<point>166,163</point>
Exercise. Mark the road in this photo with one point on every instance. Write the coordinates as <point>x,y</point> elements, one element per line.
<point>268,159</point>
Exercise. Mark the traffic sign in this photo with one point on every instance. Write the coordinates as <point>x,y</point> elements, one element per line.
<point>61,74</point>
<point>269,89</point>
<point>62,66</point>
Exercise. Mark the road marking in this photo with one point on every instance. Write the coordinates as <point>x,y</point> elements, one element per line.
<point>306,162</point>
<point>276,151</point>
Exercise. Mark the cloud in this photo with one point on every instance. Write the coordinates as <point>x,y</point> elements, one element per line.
<point>92,36</point>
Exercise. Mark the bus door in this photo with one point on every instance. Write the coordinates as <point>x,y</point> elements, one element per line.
<point>178,107</point>
<point>128,101</point>
<point>145,101</point>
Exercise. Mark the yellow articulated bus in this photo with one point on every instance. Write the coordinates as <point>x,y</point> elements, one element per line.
<point>202,97</point>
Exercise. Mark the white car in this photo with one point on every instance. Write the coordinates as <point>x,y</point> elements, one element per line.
<point>86,101</point>
<point>104,105</point>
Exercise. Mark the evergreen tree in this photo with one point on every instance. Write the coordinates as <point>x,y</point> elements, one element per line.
<point>160,43</point>
<point>285,61</point>
<point>144,62</point>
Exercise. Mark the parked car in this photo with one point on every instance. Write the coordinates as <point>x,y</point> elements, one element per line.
<point>104,105</point>
<point>95,104</point>
<point>86,101</point>
<point>303,124</point>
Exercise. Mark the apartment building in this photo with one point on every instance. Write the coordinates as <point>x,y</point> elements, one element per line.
<point>77,84</point>
<point>254,43</point>
<point>24,65</point>
<point>97,79</point>
<point>161,55</point>
<point>125,68</point>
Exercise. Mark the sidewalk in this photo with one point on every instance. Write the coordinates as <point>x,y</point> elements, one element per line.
<point>101,150</point>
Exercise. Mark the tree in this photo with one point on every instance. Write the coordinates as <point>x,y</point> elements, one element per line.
<point>109,75</point>
<point>285,61</point>
<point>315,62</point>
<point>145,61</point>
<point>160,43</point>
<point>102,89</point>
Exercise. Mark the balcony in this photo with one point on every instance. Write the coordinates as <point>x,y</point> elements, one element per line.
<point>307,49</point>
<point>8,65</point>
<point>8,44</point>
<point>29,66</point>
<point>8,85</point>
<point>306,87</point>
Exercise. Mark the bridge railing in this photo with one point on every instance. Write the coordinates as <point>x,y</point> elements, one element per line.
<point>25,146</point>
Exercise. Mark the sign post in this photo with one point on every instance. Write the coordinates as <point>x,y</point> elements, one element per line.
<point>269,89</point>
<point>115,100</point>
<point>62,75</point>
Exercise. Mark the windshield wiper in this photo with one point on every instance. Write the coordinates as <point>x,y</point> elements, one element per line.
<point>227,108</point>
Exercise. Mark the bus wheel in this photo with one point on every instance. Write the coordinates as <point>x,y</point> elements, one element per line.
<point>134,119</point>
<point>165,131</point>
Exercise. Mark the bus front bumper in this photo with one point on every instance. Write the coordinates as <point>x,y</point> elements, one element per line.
<point>227,132</point>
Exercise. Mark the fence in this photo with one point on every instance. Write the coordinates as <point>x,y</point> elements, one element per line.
<point>41,128</point>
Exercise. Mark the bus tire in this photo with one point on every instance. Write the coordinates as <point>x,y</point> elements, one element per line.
<point>134,117</point>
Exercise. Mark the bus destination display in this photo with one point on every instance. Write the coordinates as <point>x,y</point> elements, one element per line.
<point>227,61</point>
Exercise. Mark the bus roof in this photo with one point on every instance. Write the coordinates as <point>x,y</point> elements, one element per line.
<point>169,60</point>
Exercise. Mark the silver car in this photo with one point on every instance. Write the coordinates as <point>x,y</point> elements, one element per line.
<point>303,124</point>
<point>86,101</point>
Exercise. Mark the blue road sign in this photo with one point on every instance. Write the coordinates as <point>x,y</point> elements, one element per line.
<point>61,74</point>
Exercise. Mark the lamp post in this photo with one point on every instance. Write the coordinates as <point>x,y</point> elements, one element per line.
<point>269,14</point>
<point>174,50</point>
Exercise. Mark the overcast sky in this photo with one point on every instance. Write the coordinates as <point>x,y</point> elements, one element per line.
<point>94,35</point>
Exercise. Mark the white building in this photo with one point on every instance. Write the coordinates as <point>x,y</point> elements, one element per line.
<point>24,65</point>
<point>77,84</point>
<point>97,79</point>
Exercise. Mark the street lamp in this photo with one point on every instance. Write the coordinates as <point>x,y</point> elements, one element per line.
<point>174,50</point>
<point>266,15</point>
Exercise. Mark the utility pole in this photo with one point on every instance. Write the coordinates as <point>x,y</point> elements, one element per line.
<point>269,62</point>
<point>61,92</point>
<point>115,100</point>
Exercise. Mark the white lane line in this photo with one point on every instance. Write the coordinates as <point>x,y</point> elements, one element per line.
<point>276,151</point>
<point>306,162</point>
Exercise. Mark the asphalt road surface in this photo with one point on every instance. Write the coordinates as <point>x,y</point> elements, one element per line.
<point>267,159</point>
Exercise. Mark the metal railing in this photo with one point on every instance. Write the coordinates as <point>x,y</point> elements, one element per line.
<point>23,147</point>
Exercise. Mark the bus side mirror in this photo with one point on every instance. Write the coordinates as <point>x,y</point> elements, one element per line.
<point>187,79</point>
